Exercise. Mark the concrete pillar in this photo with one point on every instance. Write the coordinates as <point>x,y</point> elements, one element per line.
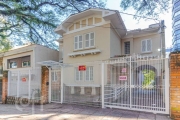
<point>93,91</point>
<point>72,89</point>
<point>82,91</point>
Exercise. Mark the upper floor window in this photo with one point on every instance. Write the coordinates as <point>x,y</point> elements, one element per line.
<point>78,42</point>
<point>19,62</point>
<point>25,63</point>
<point>146,46</point>
<point>127,47</point>
<point>12,65</point>
<point>89,40</point>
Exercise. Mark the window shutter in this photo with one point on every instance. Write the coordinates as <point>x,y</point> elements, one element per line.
<point>92,39</point>
<point>76,43</point>
<point>143,46</point>
<point>149,45</point>
<point>87,40</point>
<point>80,42</point>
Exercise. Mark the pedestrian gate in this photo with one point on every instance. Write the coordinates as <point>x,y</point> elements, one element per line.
<point>137,84</point>
<point>55,85</point>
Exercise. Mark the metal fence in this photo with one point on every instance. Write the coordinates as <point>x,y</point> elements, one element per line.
<point>24,83</point>
<point>68,85</point>
<point>137,84</point>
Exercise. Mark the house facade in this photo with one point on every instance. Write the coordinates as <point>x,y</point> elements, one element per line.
<point>100,35</point>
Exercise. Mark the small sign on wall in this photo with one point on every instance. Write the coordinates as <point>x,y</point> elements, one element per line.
<point>123,70</point>
<point>82,68</point>
<point>122,77</point>
<point>23,79</point>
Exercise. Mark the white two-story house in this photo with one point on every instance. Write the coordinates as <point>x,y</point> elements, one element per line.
<point>98,35</point>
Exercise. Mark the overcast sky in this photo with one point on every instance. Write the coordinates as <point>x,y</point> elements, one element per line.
<point>134,24</point>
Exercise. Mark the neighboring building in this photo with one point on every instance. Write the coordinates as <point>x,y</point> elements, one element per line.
<point>176,25</point>
<point>28,56</point>
<point>24,71</point>
<point>98,35</point>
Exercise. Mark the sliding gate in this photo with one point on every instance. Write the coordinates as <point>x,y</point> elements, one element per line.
<point>137,84</point>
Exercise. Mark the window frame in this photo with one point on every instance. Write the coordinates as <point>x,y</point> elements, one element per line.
<point>146,46</point>
<point>89,40</point>
<point>55,77</point>
<point>78,42</point>
<point>129,47</point>
<point>89,79</point>
<point>79,74</point>
<point>13,62</point>
<point>28,63</point>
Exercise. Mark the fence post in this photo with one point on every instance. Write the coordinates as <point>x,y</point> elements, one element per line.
<point>115,92</point>
<point>9,79</point>
<point>167,85</point>
<point>102,84</point>
<point>18,81</point>
<point>62,89</point>
<point>49,85</point>
<point>130,82</point>
<point>29,85</point>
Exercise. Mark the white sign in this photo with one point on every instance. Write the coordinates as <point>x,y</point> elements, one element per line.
<point>122,77</point>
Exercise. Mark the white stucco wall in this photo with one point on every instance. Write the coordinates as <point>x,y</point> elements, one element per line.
<point>42,53</point>
<point>115,43</point>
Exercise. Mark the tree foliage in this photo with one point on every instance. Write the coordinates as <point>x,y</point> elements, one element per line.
<point>5,45</point>
<point>147,8</point>
<point>35,20</point>
<point>149,78</point>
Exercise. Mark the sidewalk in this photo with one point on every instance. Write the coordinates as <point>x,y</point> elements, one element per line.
<point>72,112</point>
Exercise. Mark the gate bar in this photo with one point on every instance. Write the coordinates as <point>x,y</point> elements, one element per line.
<point>18,82</point>
<point>102,83</point>
<point>49,85</point>
<point>29,85</point>
<point>167,85</point>
<point>9,79</point>
<point>62,89</point>
<point>130,83</point>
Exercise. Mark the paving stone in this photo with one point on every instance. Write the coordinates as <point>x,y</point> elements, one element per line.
<point>72,112</point>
